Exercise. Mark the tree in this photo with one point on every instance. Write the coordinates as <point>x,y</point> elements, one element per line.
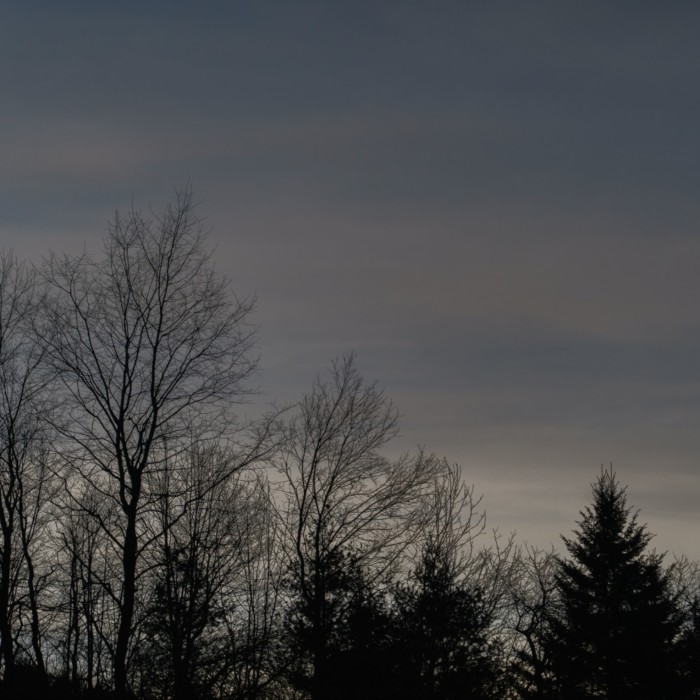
<point>354,630</point>
<point>442,647</point>
<point>190,563</point>
<point>614,633</point>
<point>443,642</point>
<point>533,595</point>
<point>689,653</point>
<point>254,609</point>
<point>84,597</point>
<point>23,460</point>
<point>345,503</point>
<point>211,522</point>
<point>148,347</point>
<point>685,582</point>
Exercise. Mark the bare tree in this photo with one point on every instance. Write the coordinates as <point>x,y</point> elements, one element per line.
<point>342,496</point>
<point>684,576</point>
<point>195,558</point>
<point>23,474</point>
<point>454,524</point>
<point>533,594</point>
<point>84,599</point>
<point>255,602</point>
<point>475,556</point>
<point>148,345</point>
<point>447,611</point>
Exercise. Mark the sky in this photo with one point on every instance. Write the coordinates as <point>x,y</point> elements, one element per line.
<point>494,204</point>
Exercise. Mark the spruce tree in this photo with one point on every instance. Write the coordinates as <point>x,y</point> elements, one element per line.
<point>614,633</point>
<point>336,634</point>
<point>443,649</point>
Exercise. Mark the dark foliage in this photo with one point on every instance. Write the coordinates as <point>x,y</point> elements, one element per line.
<point>614,633</point>
<point>441,646</point>
<point>337,632</point>
<point>427,639</point>
<point>689,653</point>
<point>30,683</point>
<point>174,654</point>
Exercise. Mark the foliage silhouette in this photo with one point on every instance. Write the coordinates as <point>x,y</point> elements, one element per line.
<point>614,631</point>
<point>442,649</point>
<point>337,644</point>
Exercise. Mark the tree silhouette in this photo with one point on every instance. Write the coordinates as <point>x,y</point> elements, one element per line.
<point>149,349</point>
<point>533,591</point>
<point>614,633</point>
<point>442,647</point>
<point>689,652</point>
<point>337,651</point>
<point>443,643</point>
<point>153,547</point>
<point>24,469</point>
<point>343,501</point>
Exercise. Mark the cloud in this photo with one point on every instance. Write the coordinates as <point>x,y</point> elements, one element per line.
<point>495,207</point>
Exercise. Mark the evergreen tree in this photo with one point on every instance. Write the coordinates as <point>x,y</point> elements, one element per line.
<point>441,643</point>
<point>336,633</point>
<point>180,654</point>
<point>616,627</point>
<point>689,652</point>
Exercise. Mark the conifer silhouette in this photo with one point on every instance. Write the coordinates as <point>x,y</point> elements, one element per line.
<point>613,635</point>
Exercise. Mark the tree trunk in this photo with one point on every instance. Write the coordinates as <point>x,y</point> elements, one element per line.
<point>8,656</point>
<point>34,607</point>
<point>128,601</point>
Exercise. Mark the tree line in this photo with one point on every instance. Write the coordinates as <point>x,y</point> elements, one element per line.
<point>154,545</point>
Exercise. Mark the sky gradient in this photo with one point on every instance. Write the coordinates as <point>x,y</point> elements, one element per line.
<point>494,204</point>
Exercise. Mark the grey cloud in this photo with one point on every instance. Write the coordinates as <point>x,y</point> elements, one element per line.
<point>494,204</point>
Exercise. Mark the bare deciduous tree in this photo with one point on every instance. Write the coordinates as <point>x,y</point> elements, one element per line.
<point>146,342</point>
<point>23,473</point>
<point>341,490</point>
<point>196,558</point>
<point>454,523</point>
<point>254,598</point>
<point>533,595</point>
<point>342,495</point>
<point>84,598</point>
